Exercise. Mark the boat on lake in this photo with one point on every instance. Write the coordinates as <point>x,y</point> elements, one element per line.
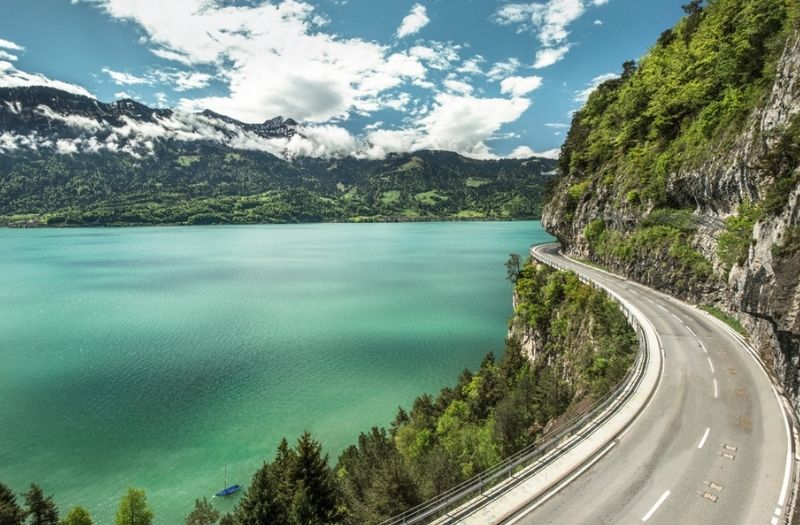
<point>228,490</point>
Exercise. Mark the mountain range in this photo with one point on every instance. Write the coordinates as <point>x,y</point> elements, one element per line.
<point>67,159</point>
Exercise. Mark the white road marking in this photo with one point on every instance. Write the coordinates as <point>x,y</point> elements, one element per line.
<point>711,365</point>
<point>774,520</point>
<point>703,439</point>
<point>777,511</point>
<point>676,317</point>
<point>703,346</point>
<point>655,507</point>
<point>690,329</point>
<point>662,307</point>
<point>716,392</point>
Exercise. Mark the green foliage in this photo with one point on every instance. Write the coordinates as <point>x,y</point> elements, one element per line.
<point>203,513</point>
<point>10,511</point>
<point>77,516</point>
<point>513,267</point>
<point>297,488</point>
<point>40,509</point>
<point>734,243</point>
<point>724,317</point>
<point>208,185</point>
<point>689,95</point>
<point>133,509</point>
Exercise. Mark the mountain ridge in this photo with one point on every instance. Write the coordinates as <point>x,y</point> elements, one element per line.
<point>71,160</point>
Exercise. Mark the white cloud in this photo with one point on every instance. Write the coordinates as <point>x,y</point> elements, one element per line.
<point>583,94</point>
<point>556,125</point>
<point>520,86</point>
<point>472,66</point>
<point>13,77</point>
<point>413,21</point>
<point>7,44</point>
<point>550,22</point>
<point>122,78</point>
<point>503,69</point>
<point>4,55</point>
<point>598,22</point>
<point>438,55</point>
<point>457,86</point>
<point>273,56</point>
<point>461,123</point>
<point>549,56</point>
<point>525,152</point>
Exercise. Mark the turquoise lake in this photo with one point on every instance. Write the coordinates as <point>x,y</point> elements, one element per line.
<point>152,357</point>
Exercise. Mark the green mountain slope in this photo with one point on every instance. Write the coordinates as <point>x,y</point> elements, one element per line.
<point>212,184</point>
<point>683,173</point>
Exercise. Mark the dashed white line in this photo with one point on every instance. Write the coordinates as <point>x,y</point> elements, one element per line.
<point>710,364</point>
<point>676,317</point>
<point>703,346</point>
<point>716,392</point>
<point>654,508</point>
<point>774,520</point>
<point>703,439</point>
<point>690,329</point>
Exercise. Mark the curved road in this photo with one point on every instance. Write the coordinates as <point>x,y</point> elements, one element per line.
<point>712,446</point>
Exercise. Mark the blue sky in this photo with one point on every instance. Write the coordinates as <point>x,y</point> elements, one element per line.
<point>482,77</point>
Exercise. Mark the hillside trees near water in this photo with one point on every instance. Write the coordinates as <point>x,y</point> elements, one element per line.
<point>586,348</point>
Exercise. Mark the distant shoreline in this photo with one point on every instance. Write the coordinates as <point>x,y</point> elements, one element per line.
<point>365,220</point>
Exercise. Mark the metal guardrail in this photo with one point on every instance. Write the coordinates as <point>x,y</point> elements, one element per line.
<point>466,497</point>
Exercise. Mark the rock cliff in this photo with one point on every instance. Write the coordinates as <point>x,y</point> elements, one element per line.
<point>713,215</point>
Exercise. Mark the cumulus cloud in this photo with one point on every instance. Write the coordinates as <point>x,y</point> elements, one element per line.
<point>413,21</point>
<point>458,86</point>
<point>272,56</point>
<point>582,95</point>
<point>520,86</point>
<point>526,152</point>
<point>461,123</point>
<point>549,56</point>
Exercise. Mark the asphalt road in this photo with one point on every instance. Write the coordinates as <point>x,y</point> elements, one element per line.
<point>713,445</point>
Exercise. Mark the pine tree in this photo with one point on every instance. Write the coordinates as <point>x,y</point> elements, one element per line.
<point>41,510</point>
<point>262,504</point>
<point>77,516</point>
<point>312,470</point>
<point>10,512</point>
<point>133,509</point>
<point>202,514</point>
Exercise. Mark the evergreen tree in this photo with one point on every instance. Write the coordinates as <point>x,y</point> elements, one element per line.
<point>202,514</point>
<point>10,512</point>
<point>41,509</point>
<point>77,516</point>
<point>312,470</point>
<point>133,509</point>
<point>262,504</point>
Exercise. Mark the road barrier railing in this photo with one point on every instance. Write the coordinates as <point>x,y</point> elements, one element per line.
<point>467,497</point>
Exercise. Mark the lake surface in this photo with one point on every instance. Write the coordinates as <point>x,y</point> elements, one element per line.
<point>151,357</point>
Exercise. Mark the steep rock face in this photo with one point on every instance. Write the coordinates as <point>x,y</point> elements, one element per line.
<point>759,166</point>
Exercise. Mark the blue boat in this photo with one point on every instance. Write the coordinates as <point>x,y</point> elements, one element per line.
<point>228,490</point>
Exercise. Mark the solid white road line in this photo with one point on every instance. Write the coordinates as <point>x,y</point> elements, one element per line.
<point>711,365</point>
<point>703,439</point>
<point>655,507</point>
<point>716,392</point>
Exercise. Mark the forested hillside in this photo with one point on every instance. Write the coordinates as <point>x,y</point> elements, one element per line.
<point>67,159</point>
<point>683,172</point>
